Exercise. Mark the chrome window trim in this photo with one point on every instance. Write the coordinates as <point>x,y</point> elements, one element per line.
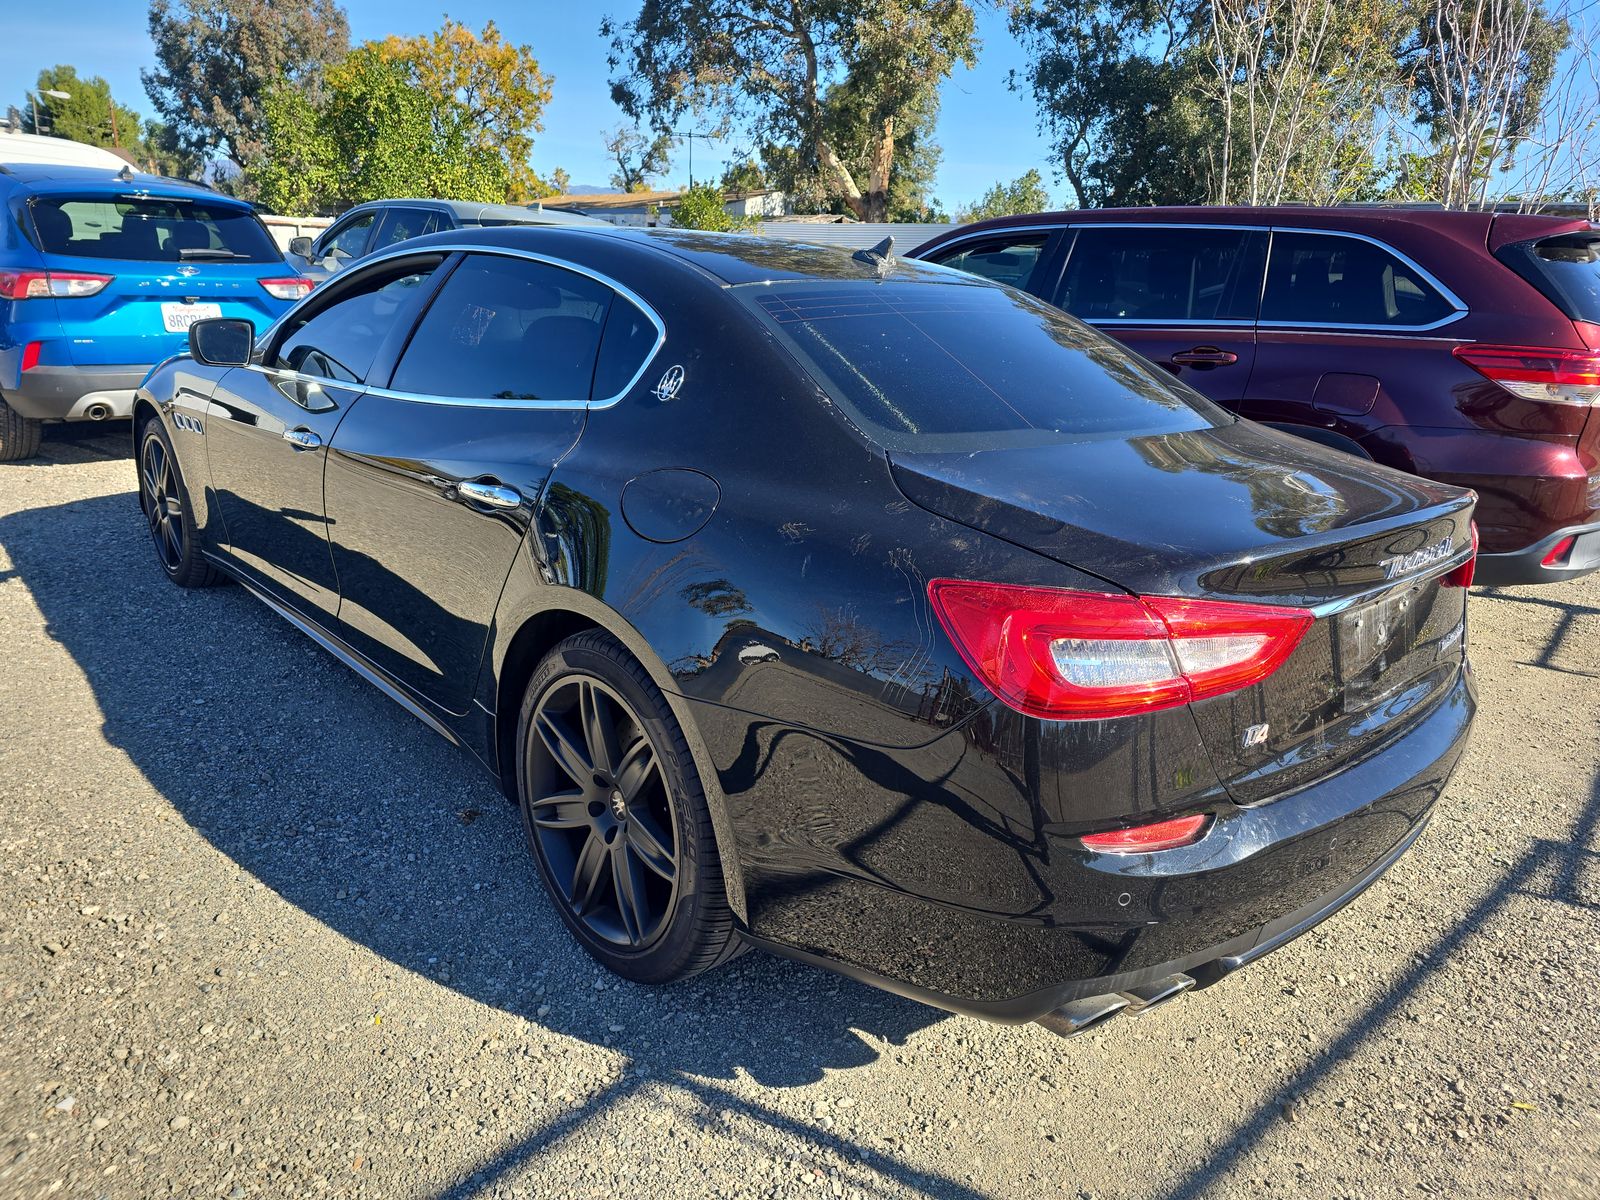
<point>402,250</point>
<point>984,234</point>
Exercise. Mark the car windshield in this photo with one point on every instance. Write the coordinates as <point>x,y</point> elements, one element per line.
<point>1567,270</point>
<point>151,229</point>
<point>924,366</point>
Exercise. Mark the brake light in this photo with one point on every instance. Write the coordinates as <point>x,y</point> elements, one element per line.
<point>1462,576</point>
<point>30,355</point>
<point>1535,373</point>
<point>291,288</point>
<point>1143,839</point>
<point>1558,553</point>
<point>39,285</point>
<point>1068,655</point>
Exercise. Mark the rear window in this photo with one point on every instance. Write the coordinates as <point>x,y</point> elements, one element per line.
<point>1565,268</point>
<point>151,229</point>
<point>951,366</point>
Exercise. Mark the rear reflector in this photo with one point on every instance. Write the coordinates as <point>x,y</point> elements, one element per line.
<point>1068,655</point>
<point>289,288</point>
<point>1462,576</point>
<point>1558,553</point>
<point>30,355</point>
<point>1143,839</point>
<point>1535,373</point>
<point>40,285</point>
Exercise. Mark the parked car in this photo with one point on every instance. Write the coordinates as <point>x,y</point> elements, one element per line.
<point>1464,347</point>
<point>101,274</point>
<point>867,612</point>
<point>368,228</point>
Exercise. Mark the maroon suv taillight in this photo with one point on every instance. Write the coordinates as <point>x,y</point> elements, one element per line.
<point>1536,373</point>
<point>1068,655</point>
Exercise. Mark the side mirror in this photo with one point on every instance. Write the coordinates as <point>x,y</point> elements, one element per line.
<point>301,246</point>
<point>222,341</point>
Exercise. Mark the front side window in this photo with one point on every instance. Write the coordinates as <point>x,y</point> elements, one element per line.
<point>1005,260</point>
<point>341,340</point>
<point>1324,279</point>
<point>1151,273</point>
<point>399,224</point>
<point>350,240</point>
<point>508,329</point>
<point>151,229</point>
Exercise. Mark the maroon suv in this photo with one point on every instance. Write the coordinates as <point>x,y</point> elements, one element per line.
<point>1464,347</point>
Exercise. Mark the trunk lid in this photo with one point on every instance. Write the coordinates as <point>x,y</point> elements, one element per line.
<point>1240,512</point>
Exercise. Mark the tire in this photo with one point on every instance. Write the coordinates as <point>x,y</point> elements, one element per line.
<point>164,500</point>
<point>19,435</point>
<point>617,808</point>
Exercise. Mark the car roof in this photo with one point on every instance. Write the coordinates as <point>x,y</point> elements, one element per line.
<point>43,177</point>
<point>472,212</point>
<point>731,258</point>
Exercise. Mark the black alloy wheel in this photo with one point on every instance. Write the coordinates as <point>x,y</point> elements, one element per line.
<point>162,502</point>
<point>616,816</point>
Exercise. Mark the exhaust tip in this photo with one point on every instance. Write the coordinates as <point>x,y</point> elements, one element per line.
<point>1081,1016</point>
<point>1142,999</point>
<point>97,412</point>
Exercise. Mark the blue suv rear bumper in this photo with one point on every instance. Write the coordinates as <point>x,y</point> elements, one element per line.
<point>75,393</point>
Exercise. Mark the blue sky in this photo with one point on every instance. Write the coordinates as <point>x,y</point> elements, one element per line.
<point>988,132</point>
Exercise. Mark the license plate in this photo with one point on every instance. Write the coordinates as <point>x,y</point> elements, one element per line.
<point>178,317</point>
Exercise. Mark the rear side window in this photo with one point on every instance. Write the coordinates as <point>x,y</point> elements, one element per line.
<point>1009,260</point>
<point>629,338</point>
<point>151,229</point>
<point>1323,279</point>
<point>952,366</point>
<point>341,340</point>
<point>1150,273</point>
<point>508,329</point>
<point>1565,268</point>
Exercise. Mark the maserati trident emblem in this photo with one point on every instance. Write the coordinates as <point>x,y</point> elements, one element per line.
<point>619,806</point>
<point>669,385</point>
<point>1404,564</point>
<point>188,270</point>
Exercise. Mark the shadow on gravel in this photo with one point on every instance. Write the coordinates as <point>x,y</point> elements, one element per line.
<point>341,803</point>
<point>1561,639</point>
<point>1550,870</point>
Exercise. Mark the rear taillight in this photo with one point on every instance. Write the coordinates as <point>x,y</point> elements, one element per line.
<point>1143,839</point>
<point>291,288</point>
<point>40,285</point>
<point>1558,553</point>
<point>1555,376</point>
<point>1066,655</point>
<point>1462,576</point>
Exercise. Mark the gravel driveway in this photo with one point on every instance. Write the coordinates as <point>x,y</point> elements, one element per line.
<point>261,933</point>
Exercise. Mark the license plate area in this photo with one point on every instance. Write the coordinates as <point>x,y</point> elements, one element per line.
<point>1373,638</point>
<point>177,317</point>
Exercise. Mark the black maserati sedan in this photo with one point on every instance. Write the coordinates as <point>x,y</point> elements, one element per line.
<point>854,608</point>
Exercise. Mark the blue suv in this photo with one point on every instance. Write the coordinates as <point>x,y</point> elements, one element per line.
<point>102,273</point>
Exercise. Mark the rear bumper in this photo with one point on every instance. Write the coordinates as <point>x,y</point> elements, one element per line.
<point>76,393</point>
<point>1526,566</point>
<point>1261,877</point>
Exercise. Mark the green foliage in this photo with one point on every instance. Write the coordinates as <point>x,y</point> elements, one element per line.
<point>217,59</point>
<point>639,158</point>
<point>827,88</point>
<point>1025,194</point>
<point>701,208</point>
<point>375,133</point>
<point>745,176</point>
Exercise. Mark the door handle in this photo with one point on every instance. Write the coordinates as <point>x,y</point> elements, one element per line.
<point>495,495</point>
<point>1205,357</point>
<point>302,439</point>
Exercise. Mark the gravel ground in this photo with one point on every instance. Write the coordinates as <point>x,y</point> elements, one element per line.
<point>263,934</point>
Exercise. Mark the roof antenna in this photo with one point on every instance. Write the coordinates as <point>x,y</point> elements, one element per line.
<point>126,174</point>
<point>880,256</point>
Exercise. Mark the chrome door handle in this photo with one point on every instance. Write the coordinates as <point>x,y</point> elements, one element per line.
<point>495,495</point>
<point>302,439</point>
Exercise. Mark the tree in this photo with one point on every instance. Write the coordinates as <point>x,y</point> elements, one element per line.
<point>701,208</point>
<point>88,115</point>
<point>216,60</point>
<point>744,176</point>
<point>372,133</point>
<point>773,70</point>
<point>638,158</point>
<point>496,86</point>
<point>1025,194</point>
<point>560,181</point>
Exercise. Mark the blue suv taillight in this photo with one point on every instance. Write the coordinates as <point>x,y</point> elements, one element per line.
<point>38,285</point>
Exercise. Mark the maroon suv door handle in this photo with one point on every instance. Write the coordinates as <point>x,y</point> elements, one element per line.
<point>1205,357</point>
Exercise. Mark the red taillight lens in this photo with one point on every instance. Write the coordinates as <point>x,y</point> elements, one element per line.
<point>1462,576</point>
<point>1067,655</point>
<point>39,285</point>
<point>1558,553</point>
<point>288,289</point>
<point>1535,373</point>
<point>30,355</point>
<point>1143,839</point>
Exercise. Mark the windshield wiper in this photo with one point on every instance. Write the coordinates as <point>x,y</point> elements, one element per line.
<point>189,252</point>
